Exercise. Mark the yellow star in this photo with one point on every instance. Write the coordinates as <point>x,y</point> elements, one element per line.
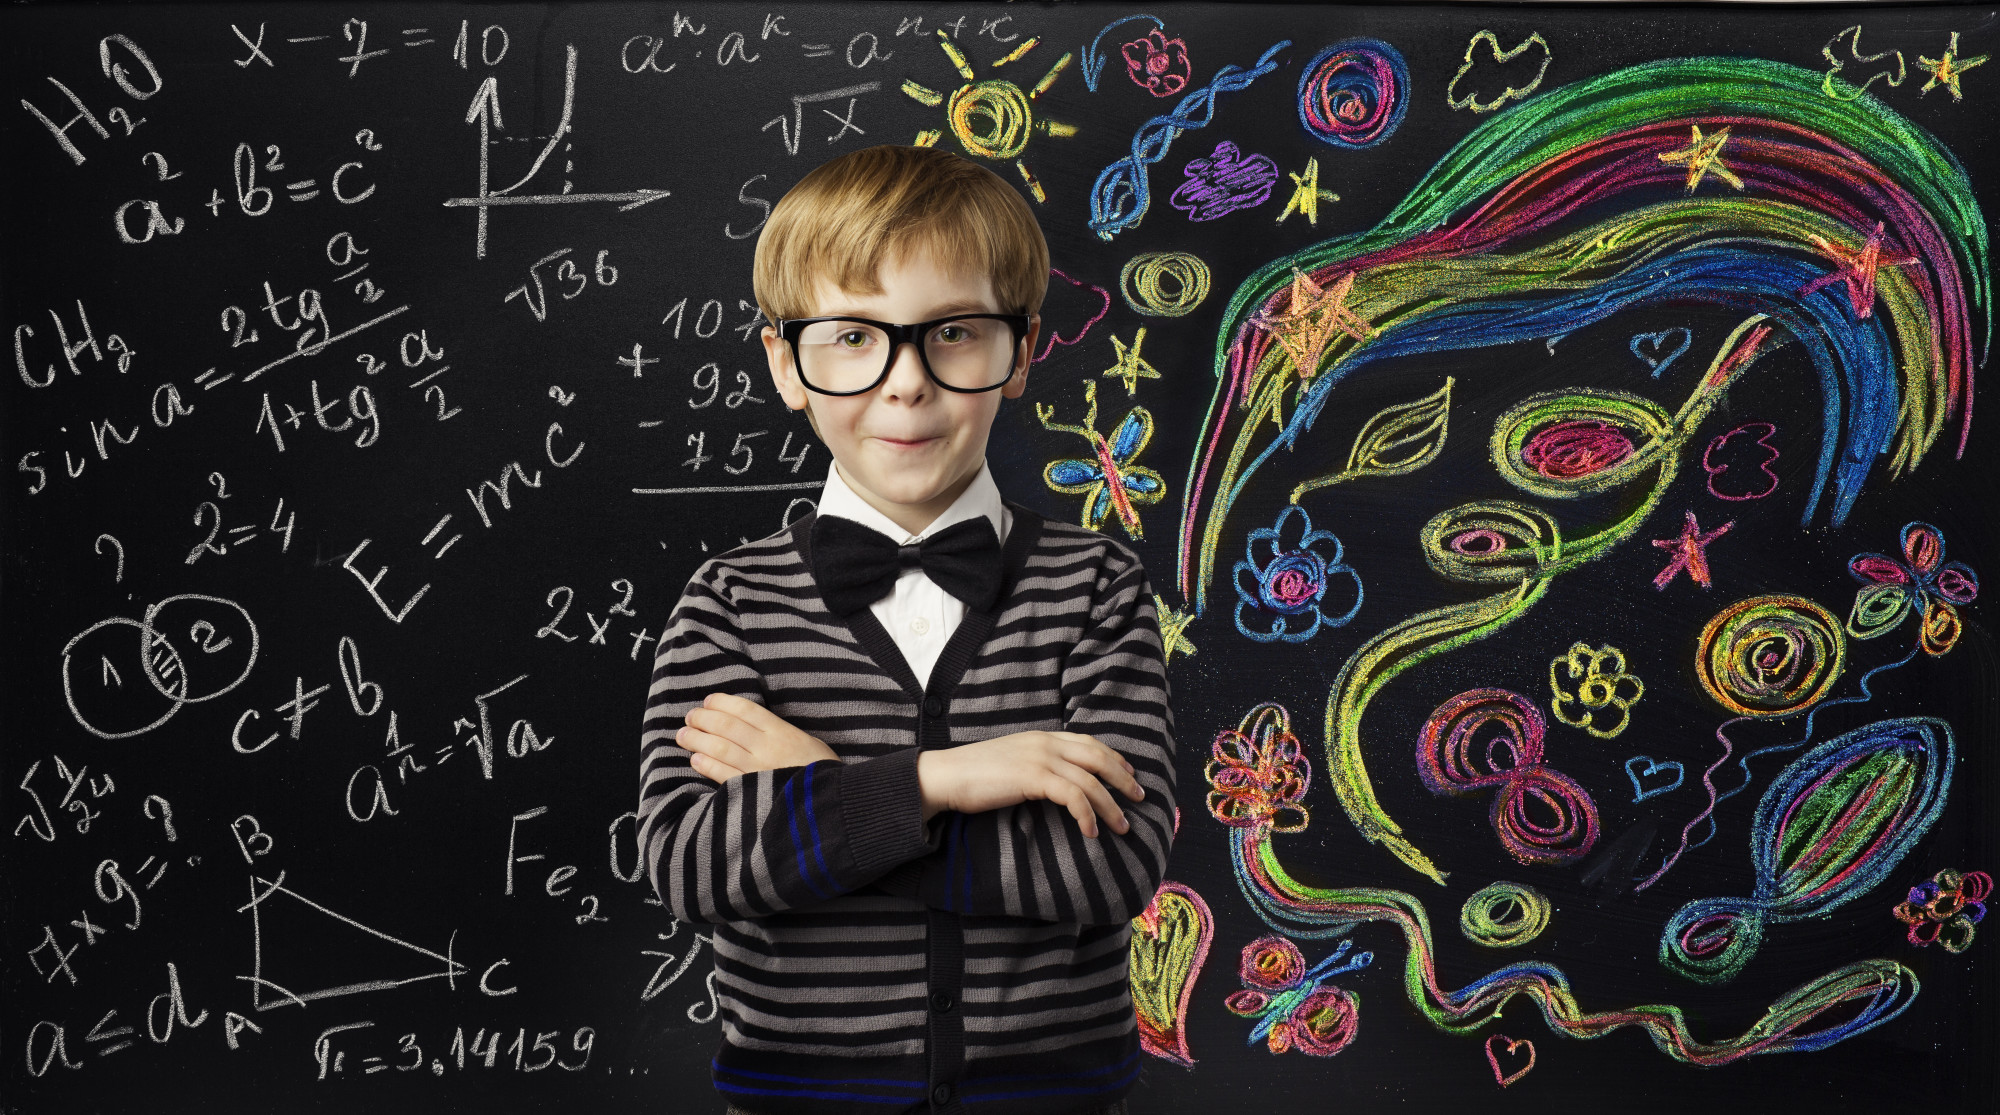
<point>1703,156</point>
<point>1173,628</point>
<point>1131,367</point>
<point>1316,314</point>
<point>1306,194</point>
<point>1948,68</point>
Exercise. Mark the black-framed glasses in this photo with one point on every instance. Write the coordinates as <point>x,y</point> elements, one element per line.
<point>852,355</point>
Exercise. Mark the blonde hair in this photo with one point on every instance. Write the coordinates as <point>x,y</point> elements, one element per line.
<point>852,213</point>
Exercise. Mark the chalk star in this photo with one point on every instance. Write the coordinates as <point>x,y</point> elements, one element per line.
<point>1131,367</point>
<point>1316,314</point>
<point>1948,68</point>
<point>1689,552</point>
<point>1857,268</point>
<point>1173,628</point>
<point>1703,156</point>
<point>1306,194</point>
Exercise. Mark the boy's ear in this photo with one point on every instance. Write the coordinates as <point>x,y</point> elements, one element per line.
<point>1017,384</point>
<point>778,355</point>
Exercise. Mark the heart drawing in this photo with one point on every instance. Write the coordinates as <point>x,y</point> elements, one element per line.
<point>1170,940</point>
<point>1639,791</point>
<point>1649,347</point>
<point>1510,1048</point>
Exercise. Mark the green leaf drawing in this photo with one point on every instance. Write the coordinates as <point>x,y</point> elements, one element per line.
<point>1399,439</point>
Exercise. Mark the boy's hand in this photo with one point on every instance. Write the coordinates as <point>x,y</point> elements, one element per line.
<point>1068,768</point>
<point>732,736</point>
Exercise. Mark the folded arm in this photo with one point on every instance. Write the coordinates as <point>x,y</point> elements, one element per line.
<point>1033,858</point>
<point>767,840</point>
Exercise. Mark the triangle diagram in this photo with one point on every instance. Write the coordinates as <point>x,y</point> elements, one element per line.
<point>303,951</point>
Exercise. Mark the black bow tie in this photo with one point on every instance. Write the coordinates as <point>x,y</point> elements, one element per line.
<point>857,565</point>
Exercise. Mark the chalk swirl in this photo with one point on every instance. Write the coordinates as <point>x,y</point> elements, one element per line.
<point>1541,815</point>
<point>1562,445</point>
<point>1770,656</point>
<point>1568,450</point>
<point>1328,1019</point>
<point>1353,93</point>
<point>991,118</point>
<point>1164,284</point>
<point>1271,963</point>
<point>1491,542</point>
<point>1503,915</point>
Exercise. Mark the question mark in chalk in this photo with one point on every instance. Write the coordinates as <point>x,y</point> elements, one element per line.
<point>119,576</point>
<point>166,815</point>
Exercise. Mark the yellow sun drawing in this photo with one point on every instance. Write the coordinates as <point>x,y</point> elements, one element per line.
<point>992,119</point>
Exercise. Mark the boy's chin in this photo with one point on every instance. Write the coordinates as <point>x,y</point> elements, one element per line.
<point>912,487</point>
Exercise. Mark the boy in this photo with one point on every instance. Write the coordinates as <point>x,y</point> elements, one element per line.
<point>881,745</point>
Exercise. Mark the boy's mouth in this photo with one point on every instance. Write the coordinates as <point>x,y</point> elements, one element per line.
<point>910,442</point>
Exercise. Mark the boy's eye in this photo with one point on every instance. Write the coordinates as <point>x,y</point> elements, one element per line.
<point>853,338</point>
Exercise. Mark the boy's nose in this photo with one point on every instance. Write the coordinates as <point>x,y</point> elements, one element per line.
<point>906,374</point>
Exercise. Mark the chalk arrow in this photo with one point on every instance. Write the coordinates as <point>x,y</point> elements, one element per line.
<point>485,112</point>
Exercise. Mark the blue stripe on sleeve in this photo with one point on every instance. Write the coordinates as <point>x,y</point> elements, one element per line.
<point>812,823</point>
<point>798,846</point>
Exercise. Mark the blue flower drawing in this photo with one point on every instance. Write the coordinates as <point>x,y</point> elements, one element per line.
<point>1281,589</point>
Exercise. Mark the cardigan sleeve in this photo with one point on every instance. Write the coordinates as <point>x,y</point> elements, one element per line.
<point>1032,860</point>
<point>770,840</point>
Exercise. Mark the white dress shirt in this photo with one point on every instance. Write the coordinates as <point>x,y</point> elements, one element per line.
<point>918,614</point>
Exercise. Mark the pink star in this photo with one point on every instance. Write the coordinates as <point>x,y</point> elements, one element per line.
<point>1689,553</point>
<point>1857,268</point>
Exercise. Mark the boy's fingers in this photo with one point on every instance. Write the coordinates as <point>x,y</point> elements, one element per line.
<point>1110,767</point>
<point>1063,792</point>
<point>1109,751</point>
<point>716,747</point>
<point>740,719</point>
<point>1121,775</point>
<point>1095,795</point>
<point>700,763</point>
<point>1072,796</point>
<point>717,722</point>
<point>742,708</point>
<point>713,769</point>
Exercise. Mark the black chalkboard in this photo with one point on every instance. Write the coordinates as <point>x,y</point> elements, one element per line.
<point>382,372</point>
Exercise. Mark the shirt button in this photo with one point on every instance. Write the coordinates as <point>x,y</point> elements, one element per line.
<point>941,1094</point>
<point>920,625</point>
<point>933,706</point>
<point>941,1001</point>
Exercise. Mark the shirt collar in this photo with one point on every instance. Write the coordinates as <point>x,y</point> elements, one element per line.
<point>981,497</point>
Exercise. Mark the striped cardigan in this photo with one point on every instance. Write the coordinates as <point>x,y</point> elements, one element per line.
<point>866,961</point>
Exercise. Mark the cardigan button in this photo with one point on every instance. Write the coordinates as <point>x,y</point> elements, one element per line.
<point>941,1001</point>
<point>933,706</point>
<point>941,1094</point>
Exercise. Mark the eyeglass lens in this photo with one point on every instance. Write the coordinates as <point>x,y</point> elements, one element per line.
<point>851,355</point>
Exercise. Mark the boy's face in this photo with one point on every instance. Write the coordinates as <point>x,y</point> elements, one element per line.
<point>909,447</point>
